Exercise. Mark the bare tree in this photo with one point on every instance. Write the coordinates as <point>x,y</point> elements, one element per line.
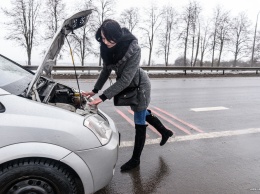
<point>204,42</point>
<point>186,20</point>
<point>216,23</point>
<point>195,30</point>
<point>130,18</point>
<point>81,39</point>
<point>197,47</point>
<point>190,30</point>
<point>254,41</point>
<point>150,27</point>
<point>240,39</point>
<point>257,47</point>
<point>22,25</point>
<point>169,25</point>
<point>102,10</point>
<point>54,14</point>
<point>82,44</point>
<point>223,33</point>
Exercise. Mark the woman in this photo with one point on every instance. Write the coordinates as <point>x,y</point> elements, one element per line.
<point>120,52</point>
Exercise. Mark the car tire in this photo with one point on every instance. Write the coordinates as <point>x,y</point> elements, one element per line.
<point>37,175</point>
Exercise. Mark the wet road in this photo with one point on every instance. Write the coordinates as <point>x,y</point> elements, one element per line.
<point>217,137</point>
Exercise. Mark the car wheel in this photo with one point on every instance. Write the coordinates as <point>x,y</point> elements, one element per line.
<point>38,176</point>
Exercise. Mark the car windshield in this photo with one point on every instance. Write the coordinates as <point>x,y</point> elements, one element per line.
<point>13,78</point>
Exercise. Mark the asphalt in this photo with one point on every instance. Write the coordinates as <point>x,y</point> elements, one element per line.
<point>213,151</point>
<point>228,165</point>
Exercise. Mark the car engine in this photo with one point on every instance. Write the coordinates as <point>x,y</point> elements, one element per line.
<point>59,95</point>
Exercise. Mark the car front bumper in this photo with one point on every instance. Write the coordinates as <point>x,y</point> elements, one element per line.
<point>96,166</point>
<point>101,161</point>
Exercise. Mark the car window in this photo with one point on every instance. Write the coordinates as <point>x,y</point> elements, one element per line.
<point>14,78</point>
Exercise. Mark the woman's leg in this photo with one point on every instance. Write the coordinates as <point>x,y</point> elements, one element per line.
<point>140,117</point>
<point>157,124</point>
<point>140,135</point>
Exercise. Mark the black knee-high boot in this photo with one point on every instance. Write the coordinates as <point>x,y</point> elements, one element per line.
<point>140,135</point>
<point>156,123</point>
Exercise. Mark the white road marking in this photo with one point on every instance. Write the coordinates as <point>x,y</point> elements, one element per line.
<point>196,136</point>
<point>209,109</point>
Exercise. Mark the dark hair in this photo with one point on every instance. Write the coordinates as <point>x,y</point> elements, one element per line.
<point>111,30</point>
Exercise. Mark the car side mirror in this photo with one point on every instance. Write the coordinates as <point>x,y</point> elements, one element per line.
<point>2,108</point>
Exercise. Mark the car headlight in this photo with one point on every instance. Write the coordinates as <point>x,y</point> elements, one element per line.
<point>99,127</point>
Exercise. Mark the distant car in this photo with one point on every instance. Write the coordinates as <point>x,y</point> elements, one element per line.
<point>51,142</point>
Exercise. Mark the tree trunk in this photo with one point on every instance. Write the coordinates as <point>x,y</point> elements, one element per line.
<point>213,49</point>
<point>29,59</point>
<point>235,61</point>
<point>186,43</point>
<point>253,48</point>
<point>236,54</point>
<point>185,53</point>
<point>197,50</point>
<point>150,55</point>
<point>29,55</point>
<point>168,48</point>
<point>83,48</point>
<point>220,52</point>
<point>192,51</point>
<point>201,60</point>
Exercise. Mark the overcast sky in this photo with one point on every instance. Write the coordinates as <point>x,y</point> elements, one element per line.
<point>251,7</point>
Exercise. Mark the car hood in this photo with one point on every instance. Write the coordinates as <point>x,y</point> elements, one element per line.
<point>69,25</point>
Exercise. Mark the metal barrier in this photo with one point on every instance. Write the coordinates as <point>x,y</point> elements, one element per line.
<point>154,68</point>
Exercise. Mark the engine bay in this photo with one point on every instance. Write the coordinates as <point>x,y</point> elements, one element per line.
<point>62,96</point>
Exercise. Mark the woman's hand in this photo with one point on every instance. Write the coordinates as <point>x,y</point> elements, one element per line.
<point>88,94</point>
<point>96,101</point>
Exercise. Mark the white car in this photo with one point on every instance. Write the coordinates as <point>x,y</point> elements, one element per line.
<point>51,141</point>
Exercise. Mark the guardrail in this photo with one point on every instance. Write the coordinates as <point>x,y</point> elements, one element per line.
<point>155,68</point>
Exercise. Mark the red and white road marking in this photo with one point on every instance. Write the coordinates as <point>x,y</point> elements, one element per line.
<point>170,121</point>
<point>164,116</point>
<point>180,120</point>
<point>150,127</point>
<point>128,119</point>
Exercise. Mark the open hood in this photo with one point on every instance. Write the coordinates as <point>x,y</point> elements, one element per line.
<point>69,25</point>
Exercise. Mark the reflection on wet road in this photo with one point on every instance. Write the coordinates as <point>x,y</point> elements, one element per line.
<point>141,184</point>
